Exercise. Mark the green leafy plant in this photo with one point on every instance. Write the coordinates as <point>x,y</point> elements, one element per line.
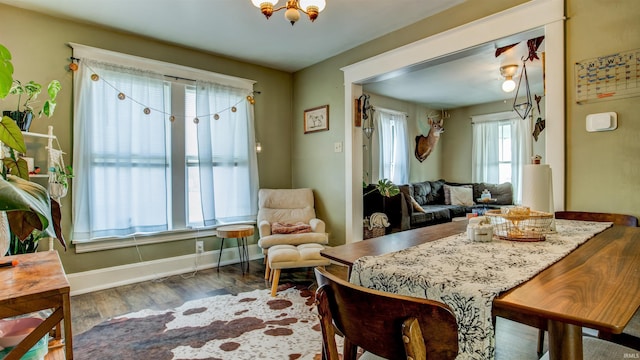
<point>30,211</point>
<point>29,93</point>
<point>385,187</point>
<point>62,176</point>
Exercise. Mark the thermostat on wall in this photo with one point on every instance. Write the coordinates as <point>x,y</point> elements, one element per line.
<point>602,121</point>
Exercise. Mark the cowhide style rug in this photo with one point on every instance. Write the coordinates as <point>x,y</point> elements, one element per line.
<point>251,325</point>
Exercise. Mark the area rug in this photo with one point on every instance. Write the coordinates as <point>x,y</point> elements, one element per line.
<point>251,325</point>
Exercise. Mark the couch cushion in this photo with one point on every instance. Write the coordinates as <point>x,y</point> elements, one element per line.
<point>421,192</point>
<point>447,192</point>
<point>434,214</point>
<point>461,195</point>
<point>437,192</point>
<point>286,205</point>
<point>503,193</point>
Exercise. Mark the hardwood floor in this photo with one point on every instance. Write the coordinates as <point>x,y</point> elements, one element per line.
<point>513,340</point>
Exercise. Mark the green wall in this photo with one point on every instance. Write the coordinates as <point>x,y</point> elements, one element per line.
<point>37,43</point>
<point>603,168</point>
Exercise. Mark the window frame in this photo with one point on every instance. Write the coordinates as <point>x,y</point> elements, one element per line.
<point>177,75</point>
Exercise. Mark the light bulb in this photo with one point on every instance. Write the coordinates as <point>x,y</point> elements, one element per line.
<point>257,3</point>
<point>508,85</point>
<point>320,4</point>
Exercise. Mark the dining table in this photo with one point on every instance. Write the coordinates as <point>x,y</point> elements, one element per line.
<point>585,274</point>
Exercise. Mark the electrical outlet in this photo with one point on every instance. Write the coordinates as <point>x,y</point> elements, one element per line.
<point>199,246</point>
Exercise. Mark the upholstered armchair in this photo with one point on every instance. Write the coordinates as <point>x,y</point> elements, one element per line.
<point>288,207</point>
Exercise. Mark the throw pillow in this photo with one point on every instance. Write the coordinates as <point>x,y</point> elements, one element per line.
<point>416,206</point>
<point>461,196</point>
<point>447,192</point>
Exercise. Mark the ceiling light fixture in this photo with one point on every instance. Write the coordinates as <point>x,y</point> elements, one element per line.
<point>508,72</point>
<point>310,7</point>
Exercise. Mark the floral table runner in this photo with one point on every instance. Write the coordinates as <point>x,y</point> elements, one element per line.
<point>468,275</point>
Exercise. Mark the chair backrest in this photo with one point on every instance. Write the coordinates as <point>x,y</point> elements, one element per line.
<point>286,205</point>
<point>388,325</point>
<point>617,219</point>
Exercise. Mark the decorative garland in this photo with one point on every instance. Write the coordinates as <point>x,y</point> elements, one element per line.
<point>73,66</point>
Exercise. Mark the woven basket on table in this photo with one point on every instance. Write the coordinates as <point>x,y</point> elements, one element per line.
<point>531,226</point>
<point>374,232</point>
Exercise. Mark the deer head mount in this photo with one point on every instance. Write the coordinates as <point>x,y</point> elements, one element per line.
<point>426,144</point>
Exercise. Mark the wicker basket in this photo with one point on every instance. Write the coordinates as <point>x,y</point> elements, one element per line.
<point>374,232</point>
<point>520,227</point>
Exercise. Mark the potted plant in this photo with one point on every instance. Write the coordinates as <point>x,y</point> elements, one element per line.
<point>375,224</point>
<point>30,212</point>
<point>59,180</point>
<point>27,94</point>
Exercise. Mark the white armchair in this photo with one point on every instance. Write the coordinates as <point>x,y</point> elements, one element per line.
<point>288,206</point>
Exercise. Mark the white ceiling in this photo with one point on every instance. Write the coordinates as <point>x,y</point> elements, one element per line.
<point>469,77</point>
<point>237,29</point>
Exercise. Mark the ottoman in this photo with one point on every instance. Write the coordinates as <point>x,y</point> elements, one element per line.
<point>291,256</point>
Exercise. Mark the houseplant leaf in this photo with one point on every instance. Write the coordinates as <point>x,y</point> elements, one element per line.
<point>27,205</point>
<point>17,167</point>
<point>11,135</point>
<point>6,72</point>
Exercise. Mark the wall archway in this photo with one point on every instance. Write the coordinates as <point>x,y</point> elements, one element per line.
<point>547,14</point>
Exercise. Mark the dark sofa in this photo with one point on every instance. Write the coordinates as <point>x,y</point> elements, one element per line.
<point>430,197</point>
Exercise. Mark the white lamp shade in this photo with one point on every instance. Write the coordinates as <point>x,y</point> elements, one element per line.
<point>320,4</point>
<point>257,3</point>
<point>508,85</point>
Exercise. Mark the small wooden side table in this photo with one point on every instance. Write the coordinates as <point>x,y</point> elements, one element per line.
<point>37,283</point>
<point>240,233</point>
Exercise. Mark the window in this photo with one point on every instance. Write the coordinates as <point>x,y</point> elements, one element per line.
<point>501,147</point>
<point>393,158</point>
<point>156,153</point>
<point>504,152</point>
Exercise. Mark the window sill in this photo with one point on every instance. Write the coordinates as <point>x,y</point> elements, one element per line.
<point>86,246</point>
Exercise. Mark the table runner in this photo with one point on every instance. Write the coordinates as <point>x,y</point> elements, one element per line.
<point>468,275</point>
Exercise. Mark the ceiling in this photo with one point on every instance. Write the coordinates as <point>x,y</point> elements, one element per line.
<point>237,29</point>
<point>469,77</point>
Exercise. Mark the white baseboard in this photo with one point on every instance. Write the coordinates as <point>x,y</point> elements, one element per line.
<point>100,279</point>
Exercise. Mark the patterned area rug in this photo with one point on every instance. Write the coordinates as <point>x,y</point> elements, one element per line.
<point>251,325</point>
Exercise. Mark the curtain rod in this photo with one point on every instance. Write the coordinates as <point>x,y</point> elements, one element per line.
<point>373,107</point>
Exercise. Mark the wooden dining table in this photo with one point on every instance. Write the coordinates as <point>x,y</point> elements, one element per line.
<point>596,286</point>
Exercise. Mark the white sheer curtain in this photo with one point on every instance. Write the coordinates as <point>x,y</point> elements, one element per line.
<point>486,148</point>
<point>120,157</point>
<point>391,149</point>
<point>227,161</point>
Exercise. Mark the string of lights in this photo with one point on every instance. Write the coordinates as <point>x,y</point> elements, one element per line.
<point>73,66</point>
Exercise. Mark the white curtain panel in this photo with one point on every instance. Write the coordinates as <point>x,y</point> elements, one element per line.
<point>227,160</point>
<point>393,151</point>
<point>120,157</point>
<point>485,149</point>
<point>485,153</point>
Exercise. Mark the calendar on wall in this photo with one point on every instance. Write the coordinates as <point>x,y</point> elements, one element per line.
<point>608,77</point>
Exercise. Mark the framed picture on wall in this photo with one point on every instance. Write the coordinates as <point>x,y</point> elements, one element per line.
<point>316,119</point>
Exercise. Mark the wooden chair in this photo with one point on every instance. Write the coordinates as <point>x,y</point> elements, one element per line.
<point>631,335</point>
<point>392,326</point>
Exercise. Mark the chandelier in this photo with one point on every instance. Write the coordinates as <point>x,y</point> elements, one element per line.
<point>309,7</point>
